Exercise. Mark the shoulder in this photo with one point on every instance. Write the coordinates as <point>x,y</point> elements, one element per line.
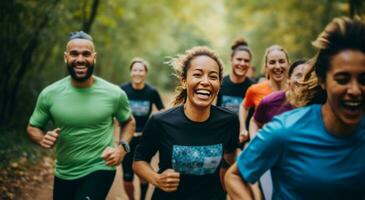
<point>150,88</point>
<point>106,84</point>
<point>108,87</point>
<point>275,96</point>
<point>57,87</point>
<point>295,118</point>
<point>125,86</point>
<point>221,113</point>
<point>168,115</point>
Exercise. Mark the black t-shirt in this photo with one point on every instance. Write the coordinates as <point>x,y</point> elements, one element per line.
<point>231,94</point>
<point>141,102</point>
<point>195,149</point>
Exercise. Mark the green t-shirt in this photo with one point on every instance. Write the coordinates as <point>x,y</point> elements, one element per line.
<point>85,117</point>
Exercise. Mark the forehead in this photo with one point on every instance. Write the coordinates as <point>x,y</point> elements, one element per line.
<point>242,54</point>
<point>80,45</point>
<point>300,68</point>
<point>276,54</point>
<point>204,62</point>
<point>138,65</point>
<point>348,60</point>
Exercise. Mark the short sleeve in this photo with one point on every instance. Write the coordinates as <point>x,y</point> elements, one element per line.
<point>41,114</point>
<point>157,100</point>
<point>260,112</point>
<point>148,144</point>
<point>263,152</point>
<point>123,111</point>
<point>248,100</point>
<point>233,142</point>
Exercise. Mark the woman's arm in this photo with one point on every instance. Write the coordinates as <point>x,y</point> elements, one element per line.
<point>237,188</point>
<point>167,181</point>
<point>243,113</point>
<point>254,127</point>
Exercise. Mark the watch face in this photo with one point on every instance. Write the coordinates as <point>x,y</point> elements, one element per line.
<point>125,146</point>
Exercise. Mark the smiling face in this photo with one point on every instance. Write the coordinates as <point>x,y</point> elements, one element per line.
<point>241,62</point>
<point>277,65</point>
<point>202,82</point>
<point>345,86</point>
<point>80,58</point>
<point>138,73</point>
<point>297,76</point>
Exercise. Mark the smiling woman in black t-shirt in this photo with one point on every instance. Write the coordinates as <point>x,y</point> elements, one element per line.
<point>141,97</point>
<point>193,137</point>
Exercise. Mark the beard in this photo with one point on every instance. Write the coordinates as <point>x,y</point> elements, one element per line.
<point>71,71</point>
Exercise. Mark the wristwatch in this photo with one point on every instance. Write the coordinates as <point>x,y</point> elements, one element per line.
<point>125,145</point>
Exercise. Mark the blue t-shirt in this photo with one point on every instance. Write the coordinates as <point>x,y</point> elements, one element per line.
<point>306,161</point>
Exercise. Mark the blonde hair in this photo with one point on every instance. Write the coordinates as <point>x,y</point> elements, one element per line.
<point>267,51</point>
<point>181,65</point>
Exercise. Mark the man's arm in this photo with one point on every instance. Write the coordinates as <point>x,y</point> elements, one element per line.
<point>128,128</point>
<point>124,131</point>
<point>45,140</point>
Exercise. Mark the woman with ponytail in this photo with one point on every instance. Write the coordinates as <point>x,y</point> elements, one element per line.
<point>193,137</point>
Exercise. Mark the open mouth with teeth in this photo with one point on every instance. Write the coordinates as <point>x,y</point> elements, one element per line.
<point>203,94</point>
<point>353,106</point>
<point>278,73</point>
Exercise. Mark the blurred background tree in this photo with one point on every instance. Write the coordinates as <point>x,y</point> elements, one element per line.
<point>34,34</point>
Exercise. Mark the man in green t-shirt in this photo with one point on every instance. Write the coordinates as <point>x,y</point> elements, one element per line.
<point>82,108</point>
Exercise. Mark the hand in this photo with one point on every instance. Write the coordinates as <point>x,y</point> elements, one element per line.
<point>244,136</point>
<point>50,138</point>
<point>168,180</point>
<point>113,156</point>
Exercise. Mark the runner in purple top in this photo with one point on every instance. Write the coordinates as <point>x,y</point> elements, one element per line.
<point>277,102</point>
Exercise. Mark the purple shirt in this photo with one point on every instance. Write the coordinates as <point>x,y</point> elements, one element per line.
<point>270,106</point>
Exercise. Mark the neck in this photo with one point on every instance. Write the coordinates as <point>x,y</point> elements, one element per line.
<point>84,84</point>
<point>236,79</point>
<point>276,86</point>
<point>196,114</point>
<point>333,125</point>
<point>138,86</point>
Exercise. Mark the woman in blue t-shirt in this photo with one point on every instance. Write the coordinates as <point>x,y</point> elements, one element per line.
<point>316,152</point>
<point>193,137</point>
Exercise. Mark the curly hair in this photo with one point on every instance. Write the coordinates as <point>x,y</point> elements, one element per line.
<point>181,65</point>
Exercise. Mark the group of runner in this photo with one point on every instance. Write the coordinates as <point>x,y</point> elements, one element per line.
<point>307,126</point>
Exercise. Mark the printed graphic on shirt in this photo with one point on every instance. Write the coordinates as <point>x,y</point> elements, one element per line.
<point>139,108</point>
<point>196,160</point>
<point>231,103</point>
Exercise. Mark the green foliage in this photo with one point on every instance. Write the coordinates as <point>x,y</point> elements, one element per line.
<point>34,33</point>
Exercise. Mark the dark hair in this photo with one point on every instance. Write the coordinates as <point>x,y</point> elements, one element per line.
<point>138,60</point>
<point>240,45</point>
<point>79,35</point>
<point>294,65</point>
<point>340,34</point>
<point>181,64</point>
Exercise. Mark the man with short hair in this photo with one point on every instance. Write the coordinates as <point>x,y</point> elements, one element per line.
<point>82,107</point>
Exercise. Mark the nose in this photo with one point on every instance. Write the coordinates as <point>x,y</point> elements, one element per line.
<point>80,58</point>
<point>354,88</point>
<point>205,80</point>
